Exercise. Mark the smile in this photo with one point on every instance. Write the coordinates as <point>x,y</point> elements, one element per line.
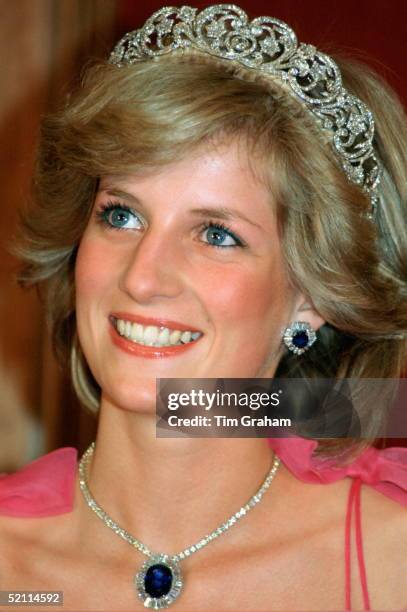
<point>151,338</point>
<point>152,335</point>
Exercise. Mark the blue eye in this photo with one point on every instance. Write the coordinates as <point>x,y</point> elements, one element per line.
<point>218,235</point>
<point>118,216</point>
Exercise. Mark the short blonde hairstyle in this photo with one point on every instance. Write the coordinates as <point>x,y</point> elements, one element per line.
<point>129,119</point>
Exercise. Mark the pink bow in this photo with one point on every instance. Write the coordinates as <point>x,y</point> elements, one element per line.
<point>385,470</point>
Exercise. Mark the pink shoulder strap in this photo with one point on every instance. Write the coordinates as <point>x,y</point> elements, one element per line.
<point>354,501</point>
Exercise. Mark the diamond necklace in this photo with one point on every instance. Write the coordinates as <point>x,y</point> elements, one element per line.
<point>159,581</point>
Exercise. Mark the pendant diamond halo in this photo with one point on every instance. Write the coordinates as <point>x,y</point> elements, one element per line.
<point>159,581</point>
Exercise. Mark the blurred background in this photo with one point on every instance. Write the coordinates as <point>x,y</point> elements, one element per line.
<point>44,44</point>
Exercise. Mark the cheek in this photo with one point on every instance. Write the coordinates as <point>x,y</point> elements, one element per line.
<point>247,293</point>
<point>91,269</point>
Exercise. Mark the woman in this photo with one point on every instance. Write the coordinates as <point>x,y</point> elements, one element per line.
<point>194,203</point>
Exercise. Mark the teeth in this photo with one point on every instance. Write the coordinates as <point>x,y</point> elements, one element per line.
<point>133,334</point>
<point>175,336</point>
<point>186,337</point>
<point>138,332</point>
<point>164,336</point>
<point>152,335</point>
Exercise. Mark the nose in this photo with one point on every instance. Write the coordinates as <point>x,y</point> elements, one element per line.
<point>153,268</point>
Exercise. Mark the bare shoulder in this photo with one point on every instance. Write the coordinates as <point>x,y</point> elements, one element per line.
<point>384,533</point>
<point>384,520</point>
<point>373,501</point>
<point>24,542</point>
<point>384,545</point>
<point>13,541</point>
<point>384,538</point>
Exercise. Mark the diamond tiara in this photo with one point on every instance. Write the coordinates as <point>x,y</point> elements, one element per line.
<point>270,46</point>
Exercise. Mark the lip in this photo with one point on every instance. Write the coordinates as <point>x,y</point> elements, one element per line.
<point>151,321</point>
<point>141,350</point>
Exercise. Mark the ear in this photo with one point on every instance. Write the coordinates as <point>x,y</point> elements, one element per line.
<point>304,310</point>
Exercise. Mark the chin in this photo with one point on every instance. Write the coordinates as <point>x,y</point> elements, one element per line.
<point>138,397</point>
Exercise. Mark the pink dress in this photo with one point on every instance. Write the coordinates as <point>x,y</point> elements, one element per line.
<point>46,487</point>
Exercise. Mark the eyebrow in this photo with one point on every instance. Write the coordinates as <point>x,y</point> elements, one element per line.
<point>120,194</point>
<point>219,212</point>
<point>224,213</point>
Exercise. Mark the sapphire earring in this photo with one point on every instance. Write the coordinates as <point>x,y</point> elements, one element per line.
<point>299,337</point>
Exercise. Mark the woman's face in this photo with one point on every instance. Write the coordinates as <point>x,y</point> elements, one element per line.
<point>192,247</point>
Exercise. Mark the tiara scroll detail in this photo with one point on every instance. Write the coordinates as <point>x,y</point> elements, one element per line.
<point>270,46</point>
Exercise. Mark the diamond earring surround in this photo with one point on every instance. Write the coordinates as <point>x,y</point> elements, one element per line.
<point>159,581</point>
<point>269,46</point>
<point>299,337</point>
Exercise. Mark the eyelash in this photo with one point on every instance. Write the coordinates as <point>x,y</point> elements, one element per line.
<point>224,228</point>
<point>105,209</point>
<point>108,207</point>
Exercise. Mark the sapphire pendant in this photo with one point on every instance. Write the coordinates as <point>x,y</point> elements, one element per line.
<point>159,582</point>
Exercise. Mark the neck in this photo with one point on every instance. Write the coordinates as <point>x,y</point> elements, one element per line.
<point>169,492</point>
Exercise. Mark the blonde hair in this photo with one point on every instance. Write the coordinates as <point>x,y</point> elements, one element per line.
<point>132,118</point>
